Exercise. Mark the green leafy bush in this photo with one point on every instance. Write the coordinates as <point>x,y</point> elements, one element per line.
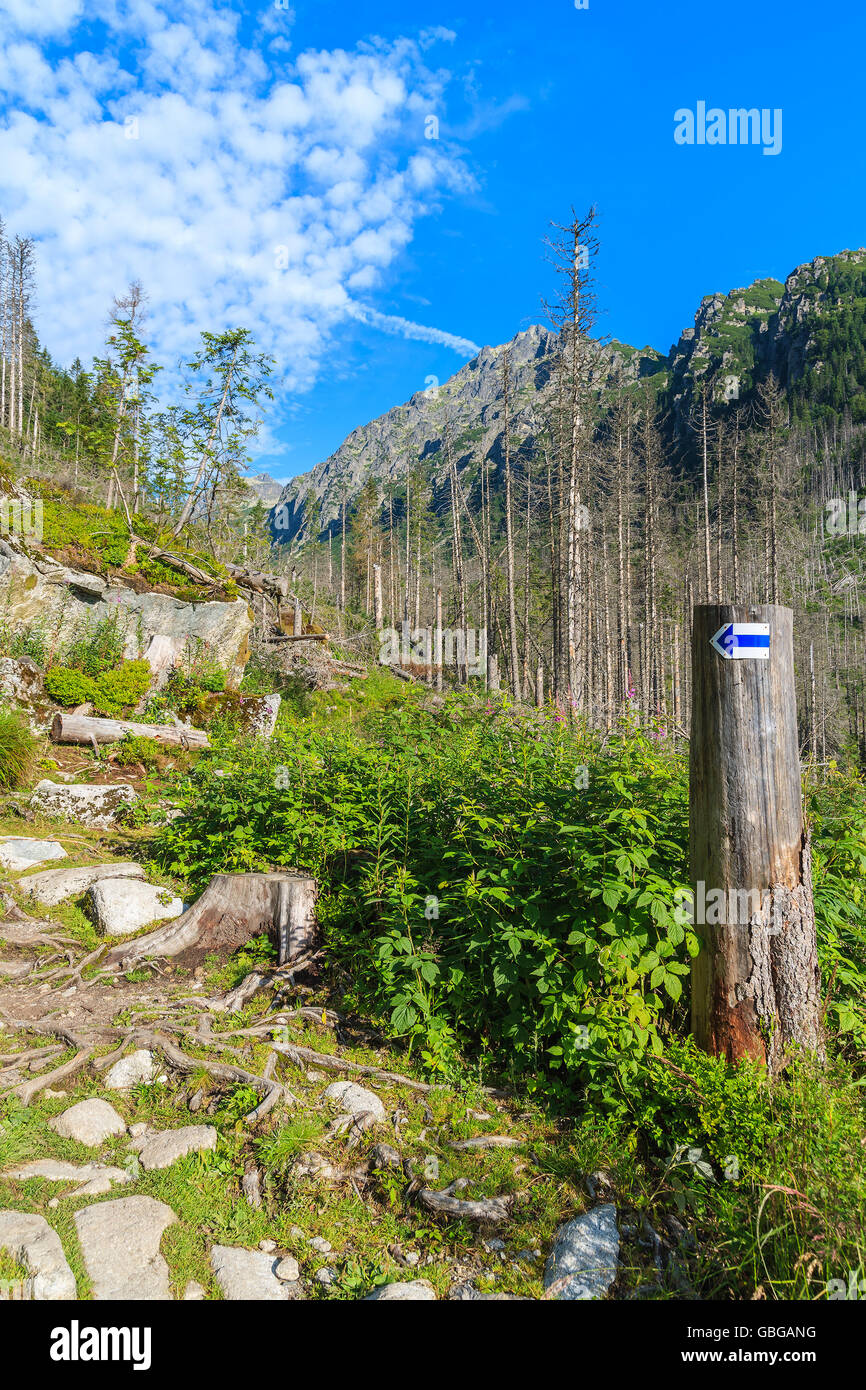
<point>111,692</point>
<point>69,687</point>
<point>17,750</point>
<point>474,894</point>
<point>31,640</point>
<point>119,690</point>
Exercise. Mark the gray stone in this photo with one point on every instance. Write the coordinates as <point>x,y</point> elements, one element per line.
<point>91,1122</point>
<point>64,599</point>
<point>120,1244</point>
<point>194,1293</point>
<point>288,1270</point>
<point>120,906</point>
<point>318,1243</point>
<point>30,1240</point>
<point>583,1261</point>
<point>248,1275</point>
<point>54,886</point>
<point>326,1276</point>
<point>85,803</point>
<point>96,1178</point>
<point>412,1291</point>
<point>137,1069</point>
<point>269,1246</point>
<point>18,852</point>
<point>354,1099</point>
<point>162,1149</point>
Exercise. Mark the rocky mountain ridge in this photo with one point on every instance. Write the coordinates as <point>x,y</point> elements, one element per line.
<point>737,339</point>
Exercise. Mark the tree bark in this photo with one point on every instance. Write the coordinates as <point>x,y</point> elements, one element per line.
<point>755,983</point>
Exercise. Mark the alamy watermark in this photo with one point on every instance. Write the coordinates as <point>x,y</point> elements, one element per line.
<point>740,126</point>
<point>425,646</point>
<point>846,517</point>
<point>22,520</point>
<point>728,907</point>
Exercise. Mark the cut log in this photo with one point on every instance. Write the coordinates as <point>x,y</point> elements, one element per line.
<point>231,910</point>
<point>79,728</point>
<point>260,583</point>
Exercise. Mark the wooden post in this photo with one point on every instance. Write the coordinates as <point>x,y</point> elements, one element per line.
<point>298,622</point>
<point>755,983</point>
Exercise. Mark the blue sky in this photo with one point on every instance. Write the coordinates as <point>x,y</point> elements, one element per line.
<point>267,166</point>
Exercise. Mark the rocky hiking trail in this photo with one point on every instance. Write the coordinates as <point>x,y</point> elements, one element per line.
<point>206,1126</point>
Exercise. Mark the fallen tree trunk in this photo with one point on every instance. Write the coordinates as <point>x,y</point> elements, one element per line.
<point>82,728</point>
<point>257,581</point>
<point>233,908</point>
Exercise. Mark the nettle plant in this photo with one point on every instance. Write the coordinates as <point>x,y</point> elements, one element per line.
<point>554,941</point>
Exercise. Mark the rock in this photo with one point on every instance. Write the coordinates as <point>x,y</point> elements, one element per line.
<point>288,1270</point>
<point>86,803</point>
<point>493,1245</point>
<point>120,1244</point>
<point>120,906</point>
<point>31,1241</point>
<point>54,886</point>
<point>269,1246</point>
<point>95,1178</point>
<point>583,1261</point>
<point>65,599</point>
<point>19,852</point>
<point>15,969</point>
<point>193,1293</point>
<point>412,1291</point>
<point>169,1145</point>
<point>248,1275</point>
<point>137,1069</point>
<point>22,683</point>
<point>326,1276</point>
<point>139,1130</point>
<point>354,1099</point>
<point>324,1247</point>
<point>91,1122</point>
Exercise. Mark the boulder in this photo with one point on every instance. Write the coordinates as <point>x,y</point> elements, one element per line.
<point>411,1291</point>
<point>120,1244</point>
<point>355,1100</point>
<point>162,1149</point>
<point>120,906</point>
<point>31,1241</point>
<point>248,1275</point>
<point>65,599</point>
<point>19,852</point>
<point>583,1261</point>
<point>89,804</point>
<point>21,682</point>
<point>138,1069</point>
<point>54,886</point>
<point>90,1122</point>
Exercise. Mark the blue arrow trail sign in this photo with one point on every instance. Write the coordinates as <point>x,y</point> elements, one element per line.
<point>743,641</point>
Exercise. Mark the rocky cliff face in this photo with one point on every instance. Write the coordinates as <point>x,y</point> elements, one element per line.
<point>737,339</point>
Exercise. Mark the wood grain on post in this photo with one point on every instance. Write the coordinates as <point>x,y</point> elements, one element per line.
<point>755,983</point>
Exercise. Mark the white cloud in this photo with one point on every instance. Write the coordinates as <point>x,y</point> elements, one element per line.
<point>164,150</point>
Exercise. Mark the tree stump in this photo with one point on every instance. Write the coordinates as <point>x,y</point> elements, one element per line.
<point>232,909</point>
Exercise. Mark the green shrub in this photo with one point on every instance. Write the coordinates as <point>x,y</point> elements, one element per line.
<point>119,690</point>
<point>475,896</point>
<point>134,748</point>
<point>17,750</point>
<point>69,687</point>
